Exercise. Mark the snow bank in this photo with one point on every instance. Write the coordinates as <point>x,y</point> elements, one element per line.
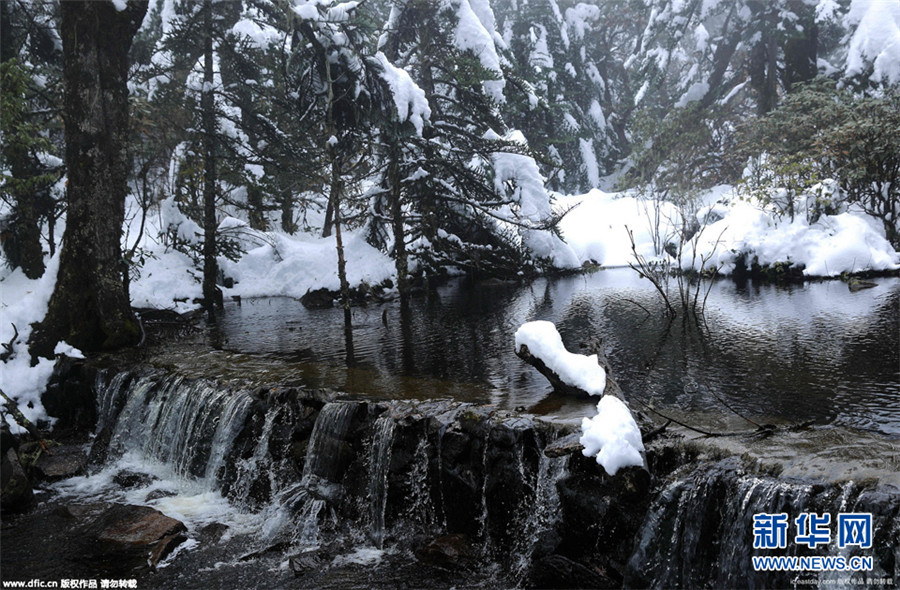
<point>168,280</point>
<point>849,242</point>
<point>545,343</point>
<point>25,301</point>
<point>292,265</point>
<point>612,436</point>
<point>595,226</point>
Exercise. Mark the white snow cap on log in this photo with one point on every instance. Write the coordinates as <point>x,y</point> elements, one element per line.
<point>612,436</point>
<point>545,343</point>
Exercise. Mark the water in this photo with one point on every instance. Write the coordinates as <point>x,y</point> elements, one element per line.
<point>379,481</point>
<point>777,354</point>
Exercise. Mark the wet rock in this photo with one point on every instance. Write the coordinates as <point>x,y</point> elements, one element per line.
<point>318,299</point>
<point>212,533</point>
<point>157,494</point>
<point>268,550</point>
<point>70,396</point>
<point>449,551</point>
<point>133,479</point>
<point>15,488</point>
<point>60,463</point>
<point>557,571</point>
<point>306,562</point>
<point>165,547</point>
<point>564,446</point>
<point>7,439</point>
<point>121,539</point>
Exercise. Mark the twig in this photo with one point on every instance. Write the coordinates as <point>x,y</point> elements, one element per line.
<point>658,413</point>
<point>4,356</point>
<point>20,418</point>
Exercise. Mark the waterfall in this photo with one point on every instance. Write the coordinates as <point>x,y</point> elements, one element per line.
<point>298,508</point>
<point>382,438</point>
<point>332,475</point>
<point>699,530</point>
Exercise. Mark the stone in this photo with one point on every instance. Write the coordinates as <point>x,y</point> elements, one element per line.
<point>157,494</point>
<point>132,479</point>
<point>15,488</point>
<point>306,562</point>
<point>564,446</point>
<point>453,551</point>
<point>121,539</point>
<point>212,533</point>
<point>61,462</point>
<point>318,299</point>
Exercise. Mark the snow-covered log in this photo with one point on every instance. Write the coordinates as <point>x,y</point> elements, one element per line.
<point>612,435</point>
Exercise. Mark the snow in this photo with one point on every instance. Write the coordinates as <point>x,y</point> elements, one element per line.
<point>696,91</point>
<point>701,35</point>
<point>876,40</point>
<point>579,16</point>
<point>545,343</point>
<point>24,301</point>
<point>120,5</point>
<point>521,173</point>
<point>167,276</point>
<point>589,158</point>
<point>848,242</point>
<point>260,36</point>
<point>292,265</point>
<point>834,244</point>
<point>409,99</point>
<point>472,35</point>
<point>612,436</point>
<point>307,10</point>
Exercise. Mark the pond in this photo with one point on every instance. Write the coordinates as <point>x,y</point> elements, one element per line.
<point>815,352</point>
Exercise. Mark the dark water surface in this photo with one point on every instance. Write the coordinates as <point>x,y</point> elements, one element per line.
<point>777,354</point>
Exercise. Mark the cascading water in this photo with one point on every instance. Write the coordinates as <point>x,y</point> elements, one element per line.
<point>699,530</point>
<point>305,473</point>
<point>382,438</point>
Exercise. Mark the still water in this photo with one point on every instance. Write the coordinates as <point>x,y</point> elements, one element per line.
<point>785,355</point>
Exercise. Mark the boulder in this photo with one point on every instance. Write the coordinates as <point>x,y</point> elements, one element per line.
<point>448,551</point>
<point>15,488</point>
<point>132,479</point>
<point>122,539</point>
<point>60,463</point>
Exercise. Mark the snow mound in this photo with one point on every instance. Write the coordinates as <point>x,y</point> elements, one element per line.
<point>851,241</point>
<point>612,436</point>
<point>545,343</point>
<point>168,280</point>
<point>24,301</point>
<point>292,265</point>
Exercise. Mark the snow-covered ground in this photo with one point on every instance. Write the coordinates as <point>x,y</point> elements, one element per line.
<point>597,226</point>
<point>276,263</point>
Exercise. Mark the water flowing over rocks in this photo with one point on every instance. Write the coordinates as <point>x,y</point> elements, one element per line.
<point>358,492</point>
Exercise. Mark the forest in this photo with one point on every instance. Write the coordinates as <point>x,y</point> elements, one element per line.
<point>445,132</point>
<point>264,262</point>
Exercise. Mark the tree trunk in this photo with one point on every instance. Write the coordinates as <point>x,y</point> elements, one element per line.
<point>287,212</point>
<point>400,257</point>
<point>335,200</point>
<point>208,107</point>
<point>801,49</point>
<point>90,306</point>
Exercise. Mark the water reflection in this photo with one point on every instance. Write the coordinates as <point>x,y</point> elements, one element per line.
<point>775,354</point>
